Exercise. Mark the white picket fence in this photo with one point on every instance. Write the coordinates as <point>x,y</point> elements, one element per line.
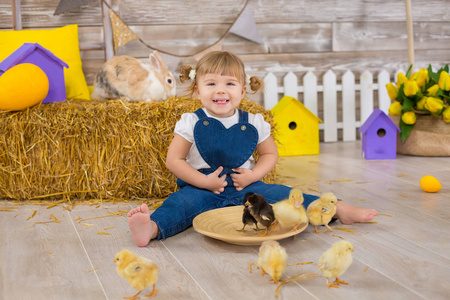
<point>347,89</point>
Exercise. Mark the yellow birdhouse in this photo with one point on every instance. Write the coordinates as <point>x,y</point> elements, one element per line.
<point>297,128</point>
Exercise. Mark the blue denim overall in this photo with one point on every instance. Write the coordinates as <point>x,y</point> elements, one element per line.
<point>218,146</point>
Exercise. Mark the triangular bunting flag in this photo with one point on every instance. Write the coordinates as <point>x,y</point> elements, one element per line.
<point>245,26</point>
<point>67,5</point>
<point>122,34</point>
<point>216,47</point>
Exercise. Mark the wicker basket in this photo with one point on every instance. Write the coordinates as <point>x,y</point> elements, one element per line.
<point>430,136</point>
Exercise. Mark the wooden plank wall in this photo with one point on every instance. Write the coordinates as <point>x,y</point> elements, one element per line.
<point>298,36</point>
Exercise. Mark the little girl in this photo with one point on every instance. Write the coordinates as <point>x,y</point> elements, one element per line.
<point>211,154</point>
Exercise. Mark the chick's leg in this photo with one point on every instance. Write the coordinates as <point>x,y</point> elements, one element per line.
<point>241,230</point>
<point>135,297</point>
<point>264,233</point>
<point>153,293</point>
<point>331,284</point>
<point>317,230</point>
<point>274,281</point>
<point>295,228</point>
<point>338,281</point>
<point>328,228</point>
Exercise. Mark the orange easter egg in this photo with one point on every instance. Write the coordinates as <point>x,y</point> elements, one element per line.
<point>430,184</point>
<point>22,86</point>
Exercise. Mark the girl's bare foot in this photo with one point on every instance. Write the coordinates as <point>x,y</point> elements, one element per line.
<point>349,214</point>
<point>142,228</point>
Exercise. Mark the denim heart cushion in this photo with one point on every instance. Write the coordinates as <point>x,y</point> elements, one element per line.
<point>229,148</point>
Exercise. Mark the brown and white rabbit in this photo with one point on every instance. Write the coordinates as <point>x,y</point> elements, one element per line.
<point>127,77</point>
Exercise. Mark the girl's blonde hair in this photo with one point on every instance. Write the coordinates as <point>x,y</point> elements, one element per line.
<point>218,62</point>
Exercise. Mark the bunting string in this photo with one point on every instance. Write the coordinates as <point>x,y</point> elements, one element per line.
<point>122,34</point>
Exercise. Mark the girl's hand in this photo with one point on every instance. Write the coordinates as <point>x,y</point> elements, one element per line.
<point>242,178</point>
<point>214,183</point>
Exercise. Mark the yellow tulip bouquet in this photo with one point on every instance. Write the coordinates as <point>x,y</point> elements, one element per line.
<point>424,92</point>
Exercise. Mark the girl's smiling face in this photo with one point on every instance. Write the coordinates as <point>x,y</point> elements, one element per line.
<point>219,94</point>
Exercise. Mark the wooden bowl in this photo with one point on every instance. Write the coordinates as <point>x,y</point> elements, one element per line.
<point>223,224</point>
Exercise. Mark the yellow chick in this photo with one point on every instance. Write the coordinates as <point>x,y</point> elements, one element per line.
<point>272,259</point>
<point>138,271</point>
<point>290,213</point>
<point>335,261</point>
<point>322,210</point>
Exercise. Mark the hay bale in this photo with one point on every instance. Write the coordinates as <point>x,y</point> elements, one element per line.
<point>85,150</point>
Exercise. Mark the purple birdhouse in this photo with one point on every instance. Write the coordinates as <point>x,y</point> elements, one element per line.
<point>379,136</point>
<point>52,66</point>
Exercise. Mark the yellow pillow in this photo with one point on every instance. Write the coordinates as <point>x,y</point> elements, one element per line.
<point>62,42</point>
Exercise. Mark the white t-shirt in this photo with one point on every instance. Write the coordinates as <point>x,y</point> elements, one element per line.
<point>185,128</point>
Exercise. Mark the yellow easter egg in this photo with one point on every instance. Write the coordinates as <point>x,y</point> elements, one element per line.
<point>430,184</point>
<point>22,86</point>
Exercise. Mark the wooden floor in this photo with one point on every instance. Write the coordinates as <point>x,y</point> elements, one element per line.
<point>405,255</point>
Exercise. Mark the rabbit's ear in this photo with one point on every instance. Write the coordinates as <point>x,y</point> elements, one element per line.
<point>155,60</point>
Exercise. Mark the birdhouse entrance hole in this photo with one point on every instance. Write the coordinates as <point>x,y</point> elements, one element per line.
<point>292,125</point>
<point>381,132</point>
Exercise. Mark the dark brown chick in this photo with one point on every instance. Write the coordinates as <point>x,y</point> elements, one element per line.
<point>260,209</point>
<point>247,219</point>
